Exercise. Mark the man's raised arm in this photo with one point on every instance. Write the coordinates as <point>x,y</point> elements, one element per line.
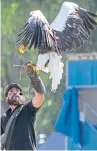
<point>36,83</point>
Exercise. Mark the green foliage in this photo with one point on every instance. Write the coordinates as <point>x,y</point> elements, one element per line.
<point>13,15</point>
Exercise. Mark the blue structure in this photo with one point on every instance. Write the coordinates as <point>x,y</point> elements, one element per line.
<point>81,74</point>
<point>55,141</point>
<point>89,139</point>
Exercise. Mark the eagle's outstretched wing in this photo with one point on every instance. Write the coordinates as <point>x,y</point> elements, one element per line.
<point>37,32</point>
<point>73,25</point>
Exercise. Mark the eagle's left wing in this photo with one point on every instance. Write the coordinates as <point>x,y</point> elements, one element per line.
<point>73,25</point>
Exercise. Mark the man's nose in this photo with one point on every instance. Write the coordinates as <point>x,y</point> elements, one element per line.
<point>15,92</point>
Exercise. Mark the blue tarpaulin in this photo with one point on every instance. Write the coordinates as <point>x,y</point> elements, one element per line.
<point>68,122</point>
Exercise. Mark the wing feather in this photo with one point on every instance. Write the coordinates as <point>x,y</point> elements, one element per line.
<point>32,39</point>
<point>75,27</point>
<point>36,32</point>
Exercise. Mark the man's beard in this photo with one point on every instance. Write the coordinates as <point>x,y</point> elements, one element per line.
<point>15,100</point>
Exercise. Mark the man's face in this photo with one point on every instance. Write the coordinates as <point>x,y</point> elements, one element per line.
<point>14,97</point>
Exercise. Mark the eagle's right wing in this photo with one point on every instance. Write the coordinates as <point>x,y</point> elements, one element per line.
<point>37,32</point>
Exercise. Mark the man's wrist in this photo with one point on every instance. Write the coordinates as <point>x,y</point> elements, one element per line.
<point>37,84</point>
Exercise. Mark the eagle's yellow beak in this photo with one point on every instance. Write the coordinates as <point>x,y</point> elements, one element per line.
<point>21,49</point>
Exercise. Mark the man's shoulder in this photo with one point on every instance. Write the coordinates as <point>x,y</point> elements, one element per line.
<point>31,107</point>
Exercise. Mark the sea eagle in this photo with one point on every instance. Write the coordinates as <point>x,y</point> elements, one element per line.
<point>69,31</point>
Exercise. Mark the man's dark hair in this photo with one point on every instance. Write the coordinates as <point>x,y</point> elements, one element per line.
<point>10,86</point>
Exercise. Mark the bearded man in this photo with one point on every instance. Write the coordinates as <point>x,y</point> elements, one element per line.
<point>21,133</point>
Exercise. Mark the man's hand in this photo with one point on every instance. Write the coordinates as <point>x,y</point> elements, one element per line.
<point>30,69</point>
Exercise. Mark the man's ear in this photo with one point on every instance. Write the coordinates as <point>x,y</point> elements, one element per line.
<point>6,99</point>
